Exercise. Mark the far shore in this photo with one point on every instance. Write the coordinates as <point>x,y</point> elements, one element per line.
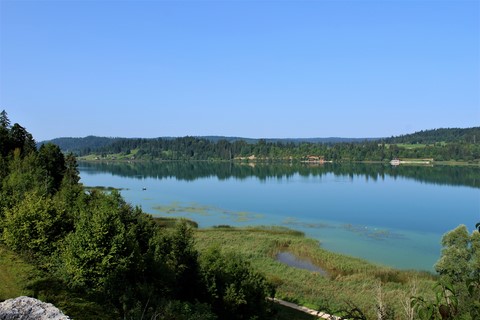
<point>409,162</point>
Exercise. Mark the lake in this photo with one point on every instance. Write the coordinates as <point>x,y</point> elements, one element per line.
<point>393,216</point>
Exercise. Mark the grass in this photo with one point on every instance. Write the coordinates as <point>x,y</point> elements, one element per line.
<point>14,275</point>
<point>115,156</point>
<point>171,222</point>
<point>18,277</point>
<point>412,146</point>
<point>350,279</point>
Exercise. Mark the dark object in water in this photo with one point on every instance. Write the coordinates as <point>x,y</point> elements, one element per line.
<point>144,188</point>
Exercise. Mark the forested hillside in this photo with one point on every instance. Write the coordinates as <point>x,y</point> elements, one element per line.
<point>91,144</point>
<point>84,145</point>
<point>449,135</point>
<point>439,145</point>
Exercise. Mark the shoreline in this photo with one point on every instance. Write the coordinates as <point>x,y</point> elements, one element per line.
<point>170,221</point>
<point>273,161</point>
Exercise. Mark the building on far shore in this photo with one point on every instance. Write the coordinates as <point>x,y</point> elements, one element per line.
<point>314,159</point>
<point>395,162</point>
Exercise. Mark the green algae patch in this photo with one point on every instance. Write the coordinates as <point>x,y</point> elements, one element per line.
<point>189,209</point>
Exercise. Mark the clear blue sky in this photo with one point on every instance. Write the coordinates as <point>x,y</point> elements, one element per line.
<point>239,68</point>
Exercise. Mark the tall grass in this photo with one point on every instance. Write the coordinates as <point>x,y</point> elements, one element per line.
<point>350,280</point>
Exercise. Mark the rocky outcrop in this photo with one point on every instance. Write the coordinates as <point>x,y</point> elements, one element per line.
<point>26,308</point>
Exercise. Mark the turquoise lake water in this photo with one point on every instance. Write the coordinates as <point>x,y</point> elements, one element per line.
<point>391,216</point>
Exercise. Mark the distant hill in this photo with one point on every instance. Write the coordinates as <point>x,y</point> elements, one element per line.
<point>468,135</point>
<point>90,144</point>
<point>81,145</point>
<point>288,140</point>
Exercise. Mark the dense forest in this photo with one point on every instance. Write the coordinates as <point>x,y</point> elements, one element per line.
<point>439,145</point>
<point>456,135</point>
<point>89,144</point>
<point>105,252</point>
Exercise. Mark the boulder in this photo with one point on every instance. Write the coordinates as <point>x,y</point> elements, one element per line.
<point>26,308</point>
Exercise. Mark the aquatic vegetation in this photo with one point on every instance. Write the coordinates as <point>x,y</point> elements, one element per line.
<point>373,233</point>
<point>178,208</point>
<point>296,223</point>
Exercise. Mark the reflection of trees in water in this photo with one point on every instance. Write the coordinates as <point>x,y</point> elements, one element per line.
<point>444,175</point>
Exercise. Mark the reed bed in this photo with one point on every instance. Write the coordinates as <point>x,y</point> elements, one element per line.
<point>350,281</point>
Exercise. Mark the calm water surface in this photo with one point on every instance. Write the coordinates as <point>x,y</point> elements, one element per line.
<point>392,216</point>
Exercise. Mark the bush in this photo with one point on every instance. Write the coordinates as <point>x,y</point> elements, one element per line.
<point>106,254</point>
<point>234,290</point>
<point>35,225</point>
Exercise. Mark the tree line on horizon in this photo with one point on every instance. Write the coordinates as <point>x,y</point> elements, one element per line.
<point>439,145</point>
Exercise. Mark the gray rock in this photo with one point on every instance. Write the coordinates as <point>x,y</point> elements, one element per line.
<point>26,308</point>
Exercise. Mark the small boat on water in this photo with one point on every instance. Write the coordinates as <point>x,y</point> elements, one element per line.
<point>144,188</point>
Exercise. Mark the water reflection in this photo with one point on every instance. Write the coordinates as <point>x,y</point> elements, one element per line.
<point>189,171</point>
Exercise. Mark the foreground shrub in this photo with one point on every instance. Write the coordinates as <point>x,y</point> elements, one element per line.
<point>35,225</point>
<point>234,289</point>
<point>106,254</point>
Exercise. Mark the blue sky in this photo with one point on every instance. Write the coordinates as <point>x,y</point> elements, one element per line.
<point>239,68</point>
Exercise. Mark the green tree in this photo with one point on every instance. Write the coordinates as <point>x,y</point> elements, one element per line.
<point>5,145</point>
<point>35,226</point>
<point>4,120</point>
<point>20,138</point>
<point>52,161</point>
<point>71,175</point>
<point>99,249</point>
<point>234,290</point>
<point>107,253</point>
<point>176,251</point>
<point>454,263</point>
<point>71,191</point>
<point>457,293</point>
<point>23,176</point>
